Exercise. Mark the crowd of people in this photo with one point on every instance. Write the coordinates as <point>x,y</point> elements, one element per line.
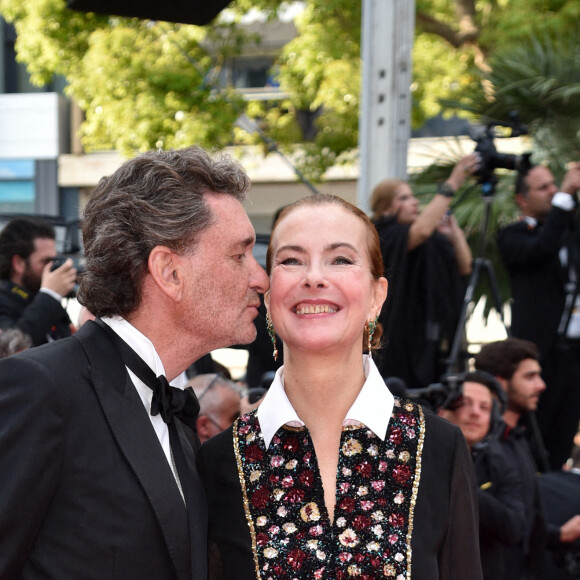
<point>128,452</point>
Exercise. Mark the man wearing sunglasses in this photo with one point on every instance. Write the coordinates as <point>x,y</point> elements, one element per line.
<point>542,255</point>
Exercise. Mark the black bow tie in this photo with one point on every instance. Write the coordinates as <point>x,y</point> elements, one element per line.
<point>167,401</point>
<point>172,402</point>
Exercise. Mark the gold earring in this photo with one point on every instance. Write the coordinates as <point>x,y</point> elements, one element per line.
<point>272,334</point>
<point>370,327</point>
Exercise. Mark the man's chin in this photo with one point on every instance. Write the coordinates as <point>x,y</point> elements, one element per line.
<point>248,337</point>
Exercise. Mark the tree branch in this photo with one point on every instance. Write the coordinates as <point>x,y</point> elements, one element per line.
<point>467,30</point>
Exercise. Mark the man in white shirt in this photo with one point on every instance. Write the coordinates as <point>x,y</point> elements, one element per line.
<point>97,445</point>
<point>541,253</point>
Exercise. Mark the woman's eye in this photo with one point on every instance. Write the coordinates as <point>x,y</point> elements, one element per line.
<point>289,262</point>
<point>342,260</point>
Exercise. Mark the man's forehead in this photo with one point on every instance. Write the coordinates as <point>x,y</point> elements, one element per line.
<point>538,175</point>
<point>529,365</point>
<point>228,210</point>
<point>44,245</point>
<point>471,388</point>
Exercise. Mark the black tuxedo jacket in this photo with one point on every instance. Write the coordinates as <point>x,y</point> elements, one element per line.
<point>86,491</point>
<point>536,274</point>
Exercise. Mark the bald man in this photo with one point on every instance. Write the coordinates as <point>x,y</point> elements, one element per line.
<point>219,400</point>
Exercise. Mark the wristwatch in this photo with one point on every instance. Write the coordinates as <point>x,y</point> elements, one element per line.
<point>445,189</point>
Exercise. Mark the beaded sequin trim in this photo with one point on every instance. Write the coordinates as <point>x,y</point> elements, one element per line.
<point>377,486</point>
<point>245,496</point>
<point>415,491</point>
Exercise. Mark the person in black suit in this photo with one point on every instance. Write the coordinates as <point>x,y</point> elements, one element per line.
<point>541,253</point>
<point>97,450</point>
<point>30,290</point>
<point>560,492</point>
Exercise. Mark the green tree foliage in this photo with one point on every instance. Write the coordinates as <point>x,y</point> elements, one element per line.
<point>149,84</point>
<point>540,79</point>
<point>141,84</point>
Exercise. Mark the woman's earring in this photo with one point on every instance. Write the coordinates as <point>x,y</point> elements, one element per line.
<point>371,326</point>
<point>272,334</point>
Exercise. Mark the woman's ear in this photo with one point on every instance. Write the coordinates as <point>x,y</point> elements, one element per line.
<point>267,300</point>
<point>166,269</point>
<point>381,287</point>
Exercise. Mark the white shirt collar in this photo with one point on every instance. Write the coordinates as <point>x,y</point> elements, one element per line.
<point>373,407</point>
<point>142,346</point>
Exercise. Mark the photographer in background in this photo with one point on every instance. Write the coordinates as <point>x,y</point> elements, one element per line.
<point>425,254</point>
<point>474,405</point>
<point>30,292</point>
<point>541,253</point>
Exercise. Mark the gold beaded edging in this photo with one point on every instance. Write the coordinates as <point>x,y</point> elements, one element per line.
<point>245,497</point>
<point>415,488</point>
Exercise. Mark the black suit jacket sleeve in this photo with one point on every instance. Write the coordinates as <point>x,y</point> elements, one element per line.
<point>448,492</point>
<point>501,508</point>
<point>31,442</point>
<point>518,248</point>
<point>36,318</point>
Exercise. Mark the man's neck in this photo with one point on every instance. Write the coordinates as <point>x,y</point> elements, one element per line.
<point>511,418</point>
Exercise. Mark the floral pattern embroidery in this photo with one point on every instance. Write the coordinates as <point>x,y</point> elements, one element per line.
<point>377,485</point>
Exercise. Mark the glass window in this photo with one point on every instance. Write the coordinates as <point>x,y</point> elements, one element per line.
<point>17,186</point>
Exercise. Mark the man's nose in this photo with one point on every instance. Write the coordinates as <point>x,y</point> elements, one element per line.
<point>259,280</point>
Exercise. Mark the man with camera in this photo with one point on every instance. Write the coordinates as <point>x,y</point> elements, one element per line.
<point>31,289</point>
<point>541,253</point>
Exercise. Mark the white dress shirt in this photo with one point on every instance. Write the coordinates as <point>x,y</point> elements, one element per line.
<point>145,349</point>
<point>373,406</point>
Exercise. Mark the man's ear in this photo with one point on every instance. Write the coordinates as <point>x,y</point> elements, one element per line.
<point>166,269</point>
<point>521,201</point>
<point>204,427</point>
<point>446,414</point>
<point>18,264</point>
<point>503,382</point>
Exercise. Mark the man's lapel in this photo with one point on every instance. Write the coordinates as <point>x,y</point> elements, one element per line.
<point>132,429</point>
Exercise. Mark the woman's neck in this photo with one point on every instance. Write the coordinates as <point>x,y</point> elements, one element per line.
<point>323,388</point>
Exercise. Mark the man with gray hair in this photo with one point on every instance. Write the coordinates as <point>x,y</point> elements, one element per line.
<point>97,446</point>
<point>219,403</point>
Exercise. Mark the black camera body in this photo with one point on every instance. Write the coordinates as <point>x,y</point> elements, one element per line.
<point>490,159</point>
<point>57,262</point>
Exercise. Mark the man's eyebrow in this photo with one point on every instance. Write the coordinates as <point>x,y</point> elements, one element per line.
<point>249,241</point>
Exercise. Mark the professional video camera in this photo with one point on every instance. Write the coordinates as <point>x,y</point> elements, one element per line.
<point>437,395</point>
<point>491,159</point>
